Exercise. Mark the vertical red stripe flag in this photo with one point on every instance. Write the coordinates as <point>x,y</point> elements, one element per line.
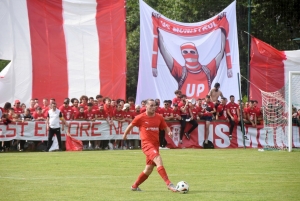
<point>49,62</point>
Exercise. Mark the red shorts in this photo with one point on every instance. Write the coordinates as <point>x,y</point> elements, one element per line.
<point>151,152</point>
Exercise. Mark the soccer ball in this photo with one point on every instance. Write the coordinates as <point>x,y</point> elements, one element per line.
<point>182,187</point>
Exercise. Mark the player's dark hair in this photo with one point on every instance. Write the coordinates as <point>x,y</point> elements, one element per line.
<point>231,96</point>
<point>217,84</point>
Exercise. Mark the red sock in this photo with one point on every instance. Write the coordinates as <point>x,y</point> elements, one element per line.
<point>162,172</point>
<point>142,177</point>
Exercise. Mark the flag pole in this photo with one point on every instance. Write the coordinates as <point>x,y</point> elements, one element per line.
<point>241,111</point>
<point>249,31</point>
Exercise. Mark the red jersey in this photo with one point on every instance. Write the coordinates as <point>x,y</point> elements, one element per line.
<point>194,78</point>
<point>18,110</point>
<point>67,112</point>
<point>257,111</point>
<point>101,114</point>
<point>208,108</point>
<point>90,115</point>
<point>166,112</point>
<point>233,108</point>
<point>195,112</point>
<point>84,106</point>
<point>180,105</point>
<point>221,109</point>
<point>176,100</point>
<point>132,108</point>
<point>37,116</point>
<point>127,114</point>
<point>143,109</point>
<point>149,128</point>
<point>80,116</point>
<point>134,114</point>
<point>119,114</point>
<point>32,110</point>
<point>109,110</point>
<point>252,113</point>
<point>176,113</point>
<point>75,111</point>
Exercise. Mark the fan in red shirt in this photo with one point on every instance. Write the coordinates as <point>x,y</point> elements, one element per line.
<point>208,109</point>
<point>80,116</point>
<point>75,104</point>
<point>137,111</point>
<point>176,112</point>
<point>251,115</point>
<point>128,116</point>
<point>258,112</point>
<point>119,114</point>
<point>131,104</point>
<point>149,124</point>
<point>143,106</point>
<point>101,114</point>
<point>108,108</point>
<point>186,116</point>
<point>17,108</point>
<point>38,115</point>
<point>90,114</point>
<point>233,115</point>
<point>177,99</point>
<point>67,111</point>
<point>83,101</point>
<point>32,106</point>
<point>221,110</point>
<point>167,114</point>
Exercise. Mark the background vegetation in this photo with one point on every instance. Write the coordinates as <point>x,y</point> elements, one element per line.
<point>274,21</point>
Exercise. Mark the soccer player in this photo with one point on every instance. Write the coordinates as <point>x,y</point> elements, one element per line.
<point>149,124</point>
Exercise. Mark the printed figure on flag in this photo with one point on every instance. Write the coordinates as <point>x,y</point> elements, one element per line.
<point>194,79</point>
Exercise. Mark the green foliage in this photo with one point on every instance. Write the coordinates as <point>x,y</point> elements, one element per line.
<point>273,21</point>
<point>3,63</point>
<point>220,174</point>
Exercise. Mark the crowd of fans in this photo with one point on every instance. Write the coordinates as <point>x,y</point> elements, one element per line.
<point>187,111</point>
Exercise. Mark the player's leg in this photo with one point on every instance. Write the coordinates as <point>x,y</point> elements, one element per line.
<point>142,177</point>
<point>58,135</point>
<point>162,172</point>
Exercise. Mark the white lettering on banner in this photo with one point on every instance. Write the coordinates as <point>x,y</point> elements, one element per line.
<point>190,91</point>
<point>224,141</point>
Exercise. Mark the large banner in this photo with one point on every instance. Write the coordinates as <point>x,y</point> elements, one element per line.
<point>187,56</point>
<point>62,48</point>
<point>101,130</point>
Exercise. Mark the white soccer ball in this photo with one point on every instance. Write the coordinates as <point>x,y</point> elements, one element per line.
<point>182,187</point>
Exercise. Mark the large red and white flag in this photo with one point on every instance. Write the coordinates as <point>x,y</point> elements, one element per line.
<point>269,68</point>
<point>62,48</point>
<point>191,57</point>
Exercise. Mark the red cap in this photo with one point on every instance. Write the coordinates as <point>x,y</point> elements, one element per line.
<point>17,101</point>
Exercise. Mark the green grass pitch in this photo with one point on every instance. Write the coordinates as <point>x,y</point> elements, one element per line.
<point>220,174</point>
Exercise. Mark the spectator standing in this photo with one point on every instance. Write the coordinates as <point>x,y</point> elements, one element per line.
<point>53,126</point>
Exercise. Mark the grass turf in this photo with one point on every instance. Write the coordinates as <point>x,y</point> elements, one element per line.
<point>220,174</point>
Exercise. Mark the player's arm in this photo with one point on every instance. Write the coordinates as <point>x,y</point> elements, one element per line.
<point>229,114</point>
<point>127,130</point>
<point>168,131</point>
